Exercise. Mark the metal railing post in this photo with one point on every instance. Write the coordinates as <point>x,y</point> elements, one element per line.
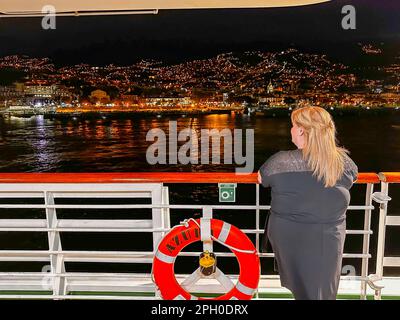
<point>258,216</point>
<point>157,215</point>
<point>208,214</point>
<point>380,255</point>
<point>381,232</point>
<point>56,260</point>
<point>165,211</point>
<point>366,240</point>
<point>257,224</point>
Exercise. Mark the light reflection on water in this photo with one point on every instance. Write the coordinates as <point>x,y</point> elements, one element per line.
<point>42,145</point>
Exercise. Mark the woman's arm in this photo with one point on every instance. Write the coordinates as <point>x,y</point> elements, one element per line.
<point>263,177</point>
<point>264,173</point>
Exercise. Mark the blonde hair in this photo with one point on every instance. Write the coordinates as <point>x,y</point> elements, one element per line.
<point>321,152</point>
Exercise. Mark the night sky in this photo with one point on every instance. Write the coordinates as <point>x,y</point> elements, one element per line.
<point>179,35</point>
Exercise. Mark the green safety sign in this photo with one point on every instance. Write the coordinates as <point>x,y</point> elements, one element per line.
<point>227,192</point>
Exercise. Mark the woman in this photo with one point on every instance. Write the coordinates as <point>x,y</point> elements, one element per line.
<point>309,198</point>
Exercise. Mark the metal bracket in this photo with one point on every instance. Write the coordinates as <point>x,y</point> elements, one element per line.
<point>381,198</point>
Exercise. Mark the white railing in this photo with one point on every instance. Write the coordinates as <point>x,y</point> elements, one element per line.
<point>55,282</point>
<point>56,279</point>
<point>376,280</point>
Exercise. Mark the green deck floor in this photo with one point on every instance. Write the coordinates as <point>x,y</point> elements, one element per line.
<point>150,294</point>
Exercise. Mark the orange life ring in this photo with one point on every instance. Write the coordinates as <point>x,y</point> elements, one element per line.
<point>181,236</point>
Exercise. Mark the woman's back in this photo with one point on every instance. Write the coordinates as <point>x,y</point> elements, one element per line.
<point>299,196</point>
<point>310,195</point>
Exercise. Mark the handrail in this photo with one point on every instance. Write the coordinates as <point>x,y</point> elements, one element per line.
<point>392,177</point>
<point>148,177</point>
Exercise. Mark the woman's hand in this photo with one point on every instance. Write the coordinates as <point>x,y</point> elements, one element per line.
<point>259,177</point>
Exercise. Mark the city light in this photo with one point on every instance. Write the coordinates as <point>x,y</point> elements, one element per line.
<point>226,82</point>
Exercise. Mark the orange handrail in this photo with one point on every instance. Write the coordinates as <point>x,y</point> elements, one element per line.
<point>392,177</point>
<point>147,177</point>
<point>369,177</point>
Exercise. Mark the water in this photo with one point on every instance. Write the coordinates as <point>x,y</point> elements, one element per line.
<point>42,145</point>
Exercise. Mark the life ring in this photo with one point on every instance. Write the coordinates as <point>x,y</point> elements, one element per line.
<point>181,236</point>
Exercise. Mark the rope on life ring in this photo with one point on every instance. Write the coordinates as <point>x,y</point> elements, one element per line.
<point>189,232</point>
